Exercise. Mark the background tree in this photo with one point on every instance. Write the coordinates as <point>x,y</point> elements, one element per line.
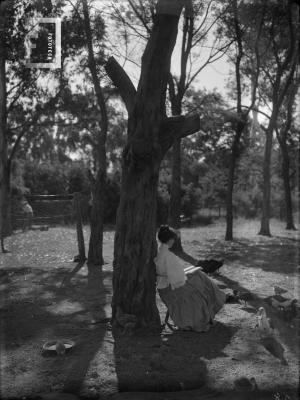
<point>4,175</point>
<point>18,87</point>
<point>95,255</point>
<point>281,48</point>
<point>284,133</point>
<point>242,23</point>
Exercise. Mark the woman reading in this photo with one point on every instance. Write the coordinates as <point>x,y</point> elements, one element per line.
<point>190,296</point>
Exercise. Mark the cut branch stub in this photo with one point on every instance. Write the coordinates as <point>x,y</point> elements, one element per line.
<point>122,81</point>
<point>177,127</point>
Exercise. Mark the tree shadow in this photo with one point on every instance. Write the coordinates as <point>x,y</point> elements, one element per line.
<point>70,275</point>
<point>168,361</point>
<point>275,255</point>
<point>50,311</point>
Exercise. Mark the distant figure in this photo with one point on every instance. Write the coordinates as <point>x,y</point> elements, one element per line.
<point>28,213</point>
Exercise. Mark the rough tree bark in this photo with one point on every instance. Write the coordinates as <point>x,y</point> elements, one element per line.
<point>95,253</point>
<point>150,135</point>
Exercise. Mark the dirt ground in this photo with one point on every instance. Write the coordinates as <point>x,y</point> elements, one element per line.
<point>45,296</point>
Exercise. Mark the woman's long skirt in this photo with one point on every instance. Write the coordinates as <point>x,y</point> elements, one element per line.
<point>193,305</point>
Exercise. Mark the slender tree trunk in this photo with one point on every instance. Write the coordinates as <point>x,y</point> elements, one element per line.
<point>230,187</point>
<point>175,195</point>
<point>80,238</point>
<point>229,198</point>
<point>240,125</point>
<point>4,164</point>
<point>266,201</point>
<point>95,253</point>
<point>176,105</point>
<point>287,187</point>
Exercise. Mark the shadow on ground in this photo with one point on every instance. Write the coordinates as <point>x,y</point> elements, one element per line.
<point>55,308</point>
<point>168,361</point>
<point>267,254</point>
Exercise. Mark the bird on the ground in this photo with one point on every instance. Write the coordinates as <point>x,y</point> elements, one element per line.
<point>231,297</point>
<point>60,348</point>
<point>210,266</point>
<point>279,290</point>
<point>287,307</point>
<point>244,384</point>
<point>244,296</point>
<point>263,323</point>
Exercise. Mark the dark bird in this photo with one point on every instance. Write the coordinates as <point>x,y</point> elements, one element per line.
<point>244,296</point>
<point>244,384</point>
<point>279,290</point>
<point>210,266</point>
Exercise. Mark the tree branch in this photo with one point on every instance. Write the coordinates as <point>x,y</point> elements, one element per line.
<point>122,81</point>
<point>139,16</point>
<point>178,127</point>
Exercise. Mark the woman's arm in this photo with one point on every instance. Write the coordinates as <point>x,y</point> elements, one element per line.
<point>175,271</point>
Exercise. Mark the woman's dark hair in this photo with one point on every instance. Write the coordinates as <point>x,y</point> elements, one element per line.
<point>165,233</point>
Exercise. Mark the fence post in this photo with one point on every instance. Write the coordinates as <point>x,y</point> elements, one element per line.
<point>80,238</point>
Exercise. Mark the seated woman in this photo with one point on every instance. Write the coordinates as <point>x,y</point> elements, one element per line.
<point>190,296</point>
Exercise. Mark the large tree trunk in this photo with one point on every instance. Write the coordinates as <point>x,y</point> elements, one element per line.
<point>150,135</point>
<point>135,244</point>
<point>266,201</point>
<point>287,187</point>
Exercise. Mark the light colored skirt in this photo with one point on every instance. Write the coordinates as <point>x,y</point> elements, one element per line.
<point>193,305</point>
